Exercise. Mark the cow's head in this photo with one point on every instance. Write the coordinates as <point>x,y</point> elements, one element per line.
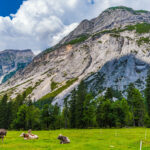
<point>22,134</point>
<point>29,131</point>
<point>60,137</point>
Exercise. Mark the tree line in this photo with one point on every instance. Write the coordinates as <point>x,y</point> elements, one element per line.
<point>80,110</point>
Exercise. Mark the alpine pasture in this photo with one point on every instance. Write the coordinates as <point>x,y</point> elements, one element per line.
<point>85,139</point>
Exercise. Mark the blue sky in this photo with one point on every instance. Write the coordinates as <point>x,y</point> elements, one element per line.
<point>39,24</point>
<point>8,7</point>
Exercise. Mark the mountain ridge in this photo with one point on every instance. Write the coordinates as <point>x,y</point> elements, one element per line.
<point>92,26</point>
<point>115,35</point>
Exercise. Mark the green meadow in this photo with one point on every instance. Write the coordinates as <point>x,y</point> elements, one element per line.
<point>88,139</point>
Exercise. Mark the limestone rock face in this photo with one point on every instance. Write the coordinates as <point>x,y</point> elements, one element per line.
<point>103,59</point>
<point>12,60</point>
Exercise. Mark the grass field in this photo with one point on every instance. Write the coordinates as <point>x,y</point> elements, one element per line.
<point>94,139</point>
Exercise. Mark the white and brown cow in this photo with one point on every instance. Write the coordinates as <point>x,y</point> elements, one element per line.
<point>29,136</point>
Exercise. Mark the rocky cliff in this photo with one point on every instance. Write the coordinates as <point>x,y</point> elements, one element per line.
<point>12,61</point>
<point>110,50</point>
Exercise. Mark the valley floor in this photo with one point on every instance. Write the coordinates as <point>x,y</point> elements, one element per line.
<point>88,139</point>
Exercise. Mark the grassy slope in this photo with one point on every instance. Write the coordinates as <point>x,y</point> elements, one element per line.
<point>96,139</point>
<point>59,90</point>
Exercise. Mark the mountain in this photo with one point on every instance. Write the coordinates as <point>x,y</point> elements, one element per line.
<point>114,17</point>
<point>112,50</point>
<point>12,61</point>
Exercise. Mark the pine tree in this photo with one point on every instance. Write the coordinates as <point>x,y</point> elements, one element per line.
<point>65,113</point>
<point>128,118</point>
<point>118,114</point>
<point>72,109</point>
<point>16,105</point>
<point>45,117</point>
<point>3,112</point>
<point>89,112</point>
<point>105,117</point>
<point>81,94</point>
<point>138,109</point>
<point>33,117</point>
<point>147,92</point>
<point>20,122</point>
<point>99,112</point>
<point>130,94</point>
<point>109,94</point>
<point>56,122</point>
<point>9,114</point>
<point>136,103</point>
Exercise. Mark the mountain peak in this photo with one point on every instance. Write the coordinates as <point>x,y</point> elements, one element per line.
<point>17,51</point>
<point>111,18</point>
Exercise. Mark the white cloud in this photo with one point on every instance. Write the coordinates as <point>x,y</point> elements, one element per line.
<point>66,31</point>
<point>39,24</point>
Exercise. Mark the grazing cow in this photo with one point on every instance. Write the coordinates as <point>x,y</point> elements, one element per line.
<point>63,139</point>
<point>29,136</point>
<point>3,133</point>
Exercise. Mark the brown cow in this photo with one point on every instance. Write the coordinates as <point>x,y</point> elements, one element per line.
<point>63,139</point>
<point>3,133</point>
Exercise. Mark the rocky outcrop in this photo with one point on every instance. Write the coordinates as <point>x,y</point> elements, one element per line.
<point>13,60</point>
<point>118,74</point>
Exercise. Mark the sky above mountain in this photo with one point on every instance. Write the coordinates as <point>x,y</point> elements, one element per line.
<point>39,24</point>
<point>8,7</point>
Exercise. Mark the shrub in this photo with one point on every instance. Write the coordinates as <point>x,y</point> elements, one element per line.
<point>58,91</point>
<point>143,40</point>
<point>82,38</point>
<point>54,85</point>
